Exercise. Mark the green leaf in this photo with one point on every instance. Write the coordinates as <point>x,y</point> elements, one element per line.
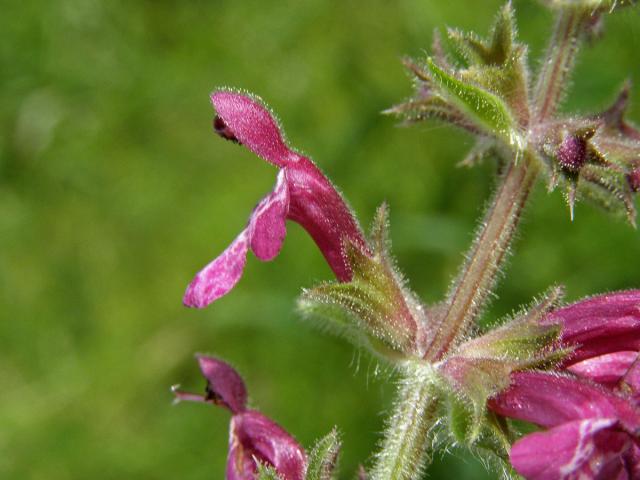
<point>482,107</point>
<point>324,457</point>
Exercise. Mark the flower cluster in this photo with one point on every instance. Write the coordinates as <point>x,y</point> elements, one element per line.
<point>588,401</point>
<point>572,371</point>
<point>590,405</point>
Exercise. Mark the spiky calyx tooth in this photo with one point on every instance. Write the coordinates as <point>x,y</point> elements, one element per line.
<point>375,308</point>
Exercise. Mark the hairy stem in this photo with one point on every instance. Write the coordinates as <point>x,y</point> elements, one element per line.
<point>406,444</point>
<point>477,277</point>
<point>405,448</point>
<point>559,60</point>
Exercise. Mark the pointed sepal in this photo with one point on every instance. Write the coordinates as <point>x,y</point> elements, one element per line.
<point>376,303</point>
<point>267,472</point>
<point>499,63</point>
<point>323,458</point>
<point>487,111</point>
<point>488,96</point>
<point>592,161</point>
<point>480,367</point>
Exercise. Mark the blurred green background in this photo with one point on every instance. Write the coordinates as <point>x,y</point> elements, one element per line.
<point>114,192</point>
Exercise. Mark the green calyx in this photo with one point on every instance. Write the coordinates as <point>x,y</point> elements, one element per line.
<point>488,96</point>
<point>480,368</point>
<point>374,309</point>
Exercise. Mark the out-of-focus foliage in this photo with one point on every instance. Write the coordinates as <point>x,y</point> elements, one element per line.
<point>114,191</point>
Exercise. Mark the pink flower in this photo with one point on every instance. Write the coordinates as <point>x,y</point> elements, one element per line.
<point>254,438</point>
<point>591,411</point>
<point>603,332</point>
<point>592,433</point>
<point>302,194</point>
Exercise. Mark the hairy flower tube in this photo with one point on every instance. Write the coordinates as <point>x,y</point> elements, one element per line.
<point>591,410</point>
<point>302,194</point>
<point>254,438</point>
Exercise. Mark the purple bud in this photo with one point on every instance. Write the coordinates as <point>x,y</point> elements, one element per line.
<point>302,194</point>
<point>572,153</point>
<point>633,178</point>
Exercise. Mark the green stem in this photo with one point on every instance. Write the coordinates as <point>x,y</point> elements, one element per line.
<point>477,277</point>
<point>560,58</point>
<point>404,454</point>
<point>405,448</point>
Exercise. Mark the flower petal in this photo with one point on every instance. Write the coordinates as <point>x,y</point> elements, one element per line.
<point>548,400</point>
<point>267,226</point>
<point>602,324</point>
<point>579,449</point>
<point>318,207</point>
<point>224,384</point>
<point>219,276</point>
<point>246,120</point>
<point>632,459</point>
<point>606,369</point>
<point>255,437</point>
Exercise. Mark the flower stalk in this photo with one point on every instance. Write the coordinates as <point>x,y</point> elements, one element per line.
<point>477,278</point>
<point>559,60</point>
<point>405,449</point>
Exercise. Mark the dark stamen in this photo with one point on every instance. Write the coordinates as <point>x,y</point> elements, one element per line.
<point>223,130</point>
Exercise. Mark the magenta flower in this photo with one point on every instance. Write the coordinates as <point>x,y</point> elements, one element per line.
<point>254,438</point>
<point>302,194</point>
<point>603,332</point>
<point>591,412</point>
<point>592,433</point>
